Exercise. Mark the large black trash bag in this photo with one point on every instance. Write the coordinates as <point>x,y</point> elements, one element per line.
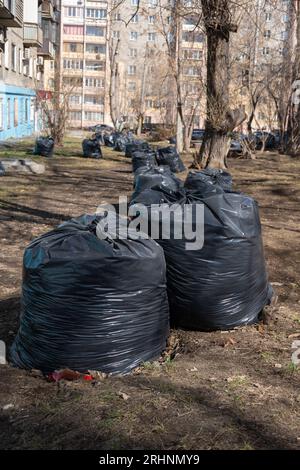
<point>2,170</point>
<point>160,177</point>
<point>120,143</point>
<point>100,137</point>
<point>44,146</point>
<point>224,284</point>
<point>169,156</point>
<point>90,303</point>
<point>109,140</point>
<point>202,180</point>
<point>136,145</point>
<point>91,148</point>
<point>143,158</point>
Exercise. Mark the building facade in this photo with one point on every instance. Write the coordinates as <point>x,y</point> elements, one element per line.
<point>23,48</point>
<point>83,61</point>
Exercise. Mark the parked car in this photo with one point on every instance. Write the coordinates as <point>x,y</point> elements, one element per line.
<point>271,140</point>
<point>198,135</point>
<point>241,143</point>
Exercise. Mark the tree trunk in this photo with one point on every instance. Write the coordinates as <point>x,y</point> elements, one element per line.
<point>140,125</point>
<point>249,122</point>
<point>220,119</point>
<point>179,133</point>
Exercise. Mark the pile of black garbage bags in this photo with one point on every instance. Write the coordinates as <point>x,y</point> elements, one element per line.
<point>222,283</point>
<point>93,301</point>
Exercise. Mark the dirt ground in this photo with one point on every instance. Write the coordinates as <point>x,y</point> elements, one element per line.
<point>223,390</point>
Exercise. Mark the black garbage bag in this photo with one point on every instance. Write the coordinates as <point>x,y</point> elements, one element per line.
<point>44,146</point>
<point>202,180</point>
<point>169,156</point>
<point>109,140</point>
<point>143,158</point>
<point>121,140</point>
<point>223,284</point>
<point>160,177</point>
<point>136,145</point>
<point>91,148</point>
<point>91,303</point>
<point>2,170</point>
<point>100,137</point>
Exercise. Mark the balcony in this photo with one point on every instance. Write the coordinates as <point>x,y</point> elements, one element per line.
<point>11,13</point>
<point>48,10</point>
<point>47,50</point>
<point>32,35</point>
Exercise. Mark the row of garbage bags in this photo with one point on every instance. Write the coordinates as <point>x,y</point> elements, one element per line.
<point>140,151</point>
<point>91,301</point>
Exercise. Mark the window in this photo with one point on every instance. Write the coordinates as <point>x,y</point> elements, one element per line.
<point>94,82</point>
<point>133,53</point>
<point>75,99</point>
<point>149,103</point>
<point>135,19</point>
<point>192,54</point>
<point>133,35</point>
<point>268,16</point>
<point>1,113</point>
<point>151,36</point>
<point>6,54</point>
<point>50,83</point>
<point>95,48</point>
<point>131,69</point>
<point>284,35</point>
<point>152,3</point>
<point>147,120</point>
<point>8,113</point>
<point>96,13</point>
<point>73,47</point>
<point>266,51</point>
<point>151,19</point>
<point>116,34</point>
<point>74,30</point>
<point>16,112</point>
<point>285,18</point>
<point>192,71</point>
<point>93,116</point>
<point>267,34</point>
<point>13,57</point>
<point>94,65</point>
<point>192,36</point>
<point>74,64</point>
<point>93,99</point>
<point>134,3</point>
<point>117,17</point>
<point>75,12</point>
<point>95,31</point>
<point>75,115</point>
<point>20,60</point>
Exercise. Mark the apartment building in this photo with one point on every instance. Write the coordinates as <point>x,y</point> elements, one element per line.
<point>83,55</point>
<point>139,41</point>
<point>260,52</point>
<point>23,47</point>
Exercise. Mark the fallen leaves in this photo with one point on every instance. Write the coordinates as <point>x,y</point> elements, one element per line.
<point>123,395</point>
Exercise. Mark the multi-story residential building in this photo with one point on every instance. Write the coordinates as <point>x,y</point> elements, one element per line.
<point>48,53</point>
<point>23,47</point>
<point>261,52</point>
<point>139,41</point>
<point>84,58</point>
<point>18,59</point>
